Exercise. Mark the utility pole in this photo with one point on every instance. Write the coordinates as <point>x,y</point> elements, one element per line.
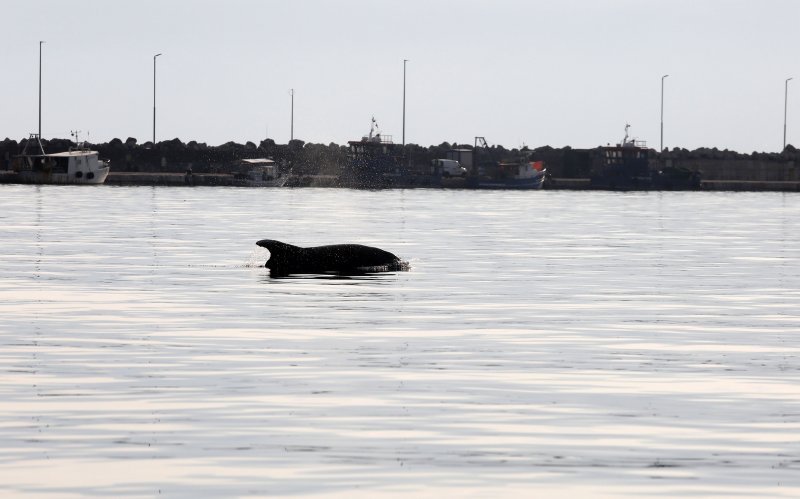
<point>154,98</point>
<point>40,89</point>
<point>661,149</point>
<point>291,132</point>
<point>785,107</point>
<point>404,100</point>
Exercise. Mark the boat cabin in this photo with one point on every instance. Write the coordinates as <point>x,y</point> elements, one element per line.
<point>520,169</point>
<point>624,165</point>
<point>373,161</point>
<point>258,169</point>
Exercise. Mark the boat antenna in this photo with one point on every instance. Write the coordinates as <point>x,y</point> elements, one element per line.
<point>373,128</point>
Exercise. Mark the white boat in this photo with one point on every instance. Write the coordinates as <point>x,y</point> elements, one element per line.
<point>78,165</point>
<point>259,172</point>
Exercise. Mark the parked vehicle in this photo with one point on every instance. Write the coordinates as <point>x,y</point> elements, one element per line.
<point>448,168</point>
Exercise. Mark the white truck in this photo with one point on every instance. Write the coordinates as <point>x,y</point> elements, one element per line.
<point>448,168</point>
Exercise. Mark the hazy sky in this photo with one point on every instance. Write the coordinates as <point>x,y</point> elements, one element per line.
<point>535,72</point>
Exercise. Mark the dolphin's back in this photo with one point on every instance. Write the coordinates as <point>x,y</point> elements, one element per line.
<point>289,259</point>
<point>352,256</point>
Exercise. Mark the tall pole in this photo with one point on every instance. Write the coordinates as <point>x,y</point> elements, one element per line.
<point>404,100</point>
<point>40,89</point>
<point>785,107</point>
<point>661,149</point>
<point>154,98</point>
<point>291,130</point>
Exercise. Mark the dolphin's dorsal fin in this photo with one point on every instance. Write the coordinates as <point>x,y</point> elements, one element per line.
<point>274,246</point>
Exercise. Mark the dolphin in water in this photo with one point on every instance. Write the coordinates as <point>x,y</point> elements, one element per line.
<point>285,259</point>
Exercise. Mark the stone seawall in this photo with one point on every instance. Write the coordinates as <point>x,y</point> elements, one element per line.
<point>740,169</point>
<point>750,185</point>
<point>172,179</point>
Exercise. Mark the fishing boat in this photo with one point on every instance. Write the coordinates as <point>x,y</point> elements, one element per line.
<point>623,166</point>
<point>507,174</point>
<point>78,165</point>
<point>374,162</point>
<point>510,175</point>
<point>259,172</point>
<point>628,166</point>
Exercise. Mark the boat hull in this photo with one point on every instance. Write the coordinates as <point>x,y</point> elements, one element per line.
<point>277,182</point>
<point>507,183</point>
<point>39,177</point>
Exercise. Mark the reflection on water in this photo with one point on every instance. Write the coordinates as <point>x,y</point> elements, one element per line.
<point>548,343</point>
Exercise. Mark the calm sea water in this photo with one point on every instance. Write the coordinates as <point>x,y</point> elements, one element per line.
<point>550,344</point>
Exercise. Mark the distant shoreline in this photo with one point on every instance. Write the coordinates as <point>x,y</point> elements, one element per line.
<point>165,163</point>
<point>327,181</point>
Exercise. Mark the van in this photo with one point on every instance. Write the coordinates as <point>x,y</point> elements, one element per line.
<point>448,168</point>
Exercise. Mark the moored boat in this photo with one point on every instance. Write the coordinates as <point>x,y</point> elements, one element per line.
<point>521,173</point>
<point>628,166</point>
<point>374,162</point>
<point>259,172</point>
<point>510,175</point>
<point>623,166</point>
<point>78,165</point>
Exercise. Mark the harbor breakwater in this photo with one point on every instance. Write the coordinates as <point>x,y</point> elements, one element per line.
<point>308,164</point>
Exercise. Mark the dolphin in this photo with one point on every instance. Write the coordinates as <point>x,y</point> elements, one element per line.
<point>285,259</point>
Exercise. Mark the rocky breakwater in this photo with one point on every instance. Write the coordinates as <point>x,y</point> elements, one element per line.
<point>307,164</point>
<point>719,169</point>
<point>730,170</point>
<point>718,164</point>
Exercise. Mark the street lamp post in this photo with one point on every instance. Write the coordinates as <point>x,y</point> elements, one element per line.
<point>404,100</point>
<point>291,126</point>
<point>785,107</point>
<point>40,89</point>
<point>661,149</point>
<point>154,98</point>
